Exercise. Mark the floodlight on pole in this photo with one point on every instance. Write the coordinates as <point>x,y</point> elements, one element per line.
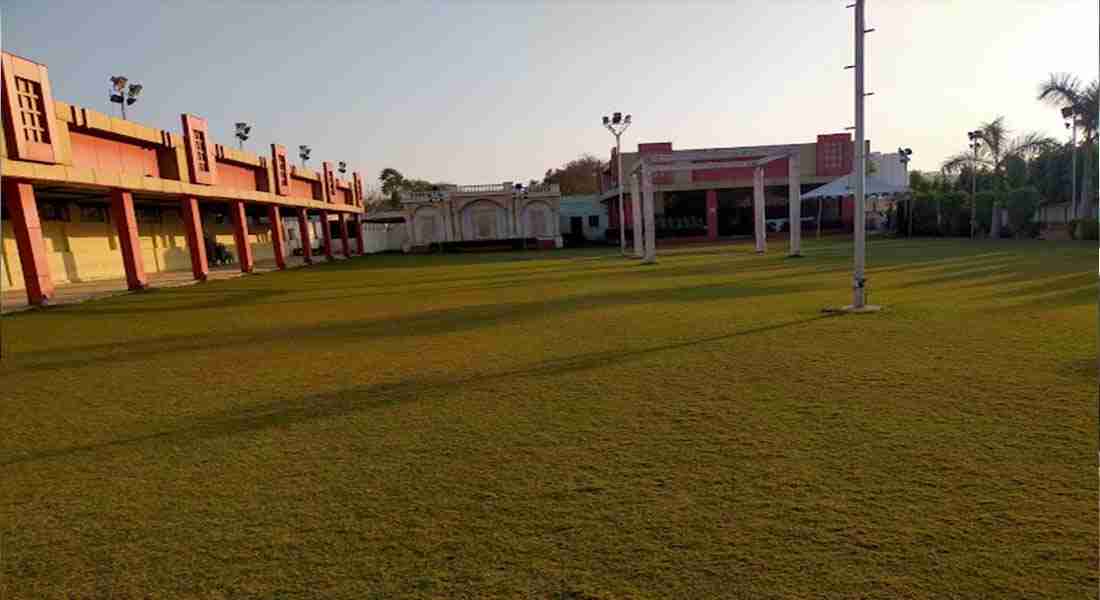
<point>243,131</point>
<point>903,158</point>
<point>1070,113</point>
<point>303,153</point>
<point>617,124</point>
<point>123,93</point>
<point>342,167</point>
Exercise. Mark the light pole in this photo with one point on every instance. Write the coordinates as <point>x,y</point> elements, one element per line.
<point>859,281</point>
<point>122,94</point>
<point>617,124</point>
<point>342,167</point>
<point>1070,113</point>
<point>243,130</point>
<point>975,143</point>
<point>303,153</point>
<point>903,156</point>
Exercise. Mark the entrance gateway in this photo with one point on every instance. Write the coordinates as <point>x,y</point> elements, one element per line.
<point>650,165</point>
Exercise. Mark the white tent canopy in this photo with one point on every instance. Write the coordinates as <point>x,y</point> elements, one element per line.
<point>842,188</point>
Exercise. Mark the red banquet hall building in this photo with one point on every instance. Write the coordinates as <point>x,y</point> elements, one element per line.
<point>711,203</point>
<point>88,196</point>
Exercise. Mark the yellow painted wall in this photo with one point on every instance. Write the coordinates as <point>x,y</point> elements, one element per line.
<point>80,251</point>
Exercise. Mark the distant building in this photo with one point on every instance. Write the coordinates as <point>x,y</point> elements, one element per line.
<point>708,203</point>
<point>484,213</point>
<point>583,217</point>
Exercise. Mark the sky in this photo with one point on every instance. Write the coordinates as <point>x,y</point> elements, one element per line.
<point>484,92</point>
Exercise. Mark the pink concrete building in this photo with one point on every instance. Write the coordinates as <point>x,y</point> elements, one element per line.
<point>711,203</point>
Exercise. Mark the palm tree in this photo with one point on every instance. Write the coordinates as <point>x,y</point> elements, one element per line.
<point>1066,91</point>
<point>997,149</point>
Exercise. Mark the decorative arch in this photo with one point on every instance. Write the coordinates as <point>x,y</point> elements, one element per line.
<point>484,219</point>
<point>427,225</point>
<point>538,219</point>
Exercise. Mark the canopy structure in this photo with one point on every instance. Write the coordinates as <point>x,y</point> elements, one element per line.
<point>842,188</point>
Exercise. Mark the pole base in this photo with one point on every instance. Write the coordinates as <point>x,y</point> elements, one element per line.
<point>796,255</point>
<point>850,309</point>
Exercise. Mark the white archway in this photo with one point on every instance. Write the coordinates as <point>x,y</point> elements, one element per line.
<point>539,220</point>
<point>427,226</point>
<point>484,219</point>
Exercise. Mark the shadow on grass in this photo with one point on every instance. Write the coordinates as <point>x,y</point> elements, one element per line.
<point>377,396</point>
<point>442,321</point>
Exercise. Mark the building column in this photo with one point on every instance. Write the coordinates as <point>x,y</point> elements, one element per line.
<point>649,217</point>
<point>360,243</point>
<point>759,210</point>
<point>19,198</point>
<point>343,218</point>
<point>303,232</point>
<point>277,235</point>
<point>637,227</point>
<point>196,244</point>
<point>794,197</point>
<point>326,235</point>
<point>122,213</point>
<point>240,236</point>
<point>712,215</point>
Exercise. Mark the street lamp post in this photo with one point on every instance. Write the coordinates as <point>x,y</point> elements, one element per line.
<point>859,280</point>
<point>243,130</point>
<point>617,124</point>
<point>975,143</point>
<point>1070,113</point>
<point>122,94</point>
<point>903,156</point>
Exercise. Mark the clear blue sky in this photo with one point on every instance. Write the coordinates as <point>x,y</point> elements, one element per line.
<point>486,92</point>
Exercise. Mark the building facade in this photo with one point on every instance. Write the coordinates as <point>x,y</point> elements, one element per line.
<point>89,196</point>
<point>710,203</point>
<point>583,218</point>
<point>484,213</point>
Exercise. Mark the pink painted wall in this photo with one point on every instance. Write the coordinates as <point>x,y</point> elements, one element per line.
<point>93,152</point>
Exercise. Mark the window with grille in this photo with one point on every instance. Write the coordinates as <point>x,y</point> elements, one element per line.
<point>202,161</point>
<point>283,179</point>
<point>148,214</point>
<point>594,220</point>
<point>32,111</point>
<point>53,211</point>
<point>93,213</point>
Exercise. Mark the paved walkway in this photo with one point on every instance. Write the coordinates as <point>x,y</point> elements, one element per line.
<point>72,293</point>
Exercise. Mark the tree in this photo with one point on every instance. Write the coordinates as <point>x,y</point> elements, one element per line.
<point>393,182</point>
<point>996,151</point>
<point>1022,203</point>
<point>1066,91</point>
<point>578,176</point>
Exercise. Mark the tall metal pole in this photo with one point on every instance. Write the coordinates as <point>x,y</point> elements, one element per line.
<point>974,194</point>
<point>622,212</point>
<point>858,279</point>
<point>1073,168</point>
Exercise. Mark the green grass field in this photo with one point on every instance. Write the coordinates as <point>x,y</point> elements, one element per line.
<point>565,425</point>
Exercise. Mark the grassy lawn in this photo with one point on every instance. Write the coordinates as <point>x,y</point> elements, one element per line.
<point>565,425</point>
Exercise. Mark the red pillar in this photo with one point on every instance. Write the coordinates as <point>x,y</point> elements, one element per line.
<point>19,198</point>
<point>344,234</point>
<point>326,235</point>
<point>712,214</point>
<point>192,224</point>
<point>240,236</point>
<point>303,232</point>
<point>122,213</point>
<point>277,235</point>
<point>361,243</point>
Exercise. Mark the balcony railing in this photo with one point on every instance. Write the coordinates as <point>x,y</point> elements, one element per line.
<point>495,188</point>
